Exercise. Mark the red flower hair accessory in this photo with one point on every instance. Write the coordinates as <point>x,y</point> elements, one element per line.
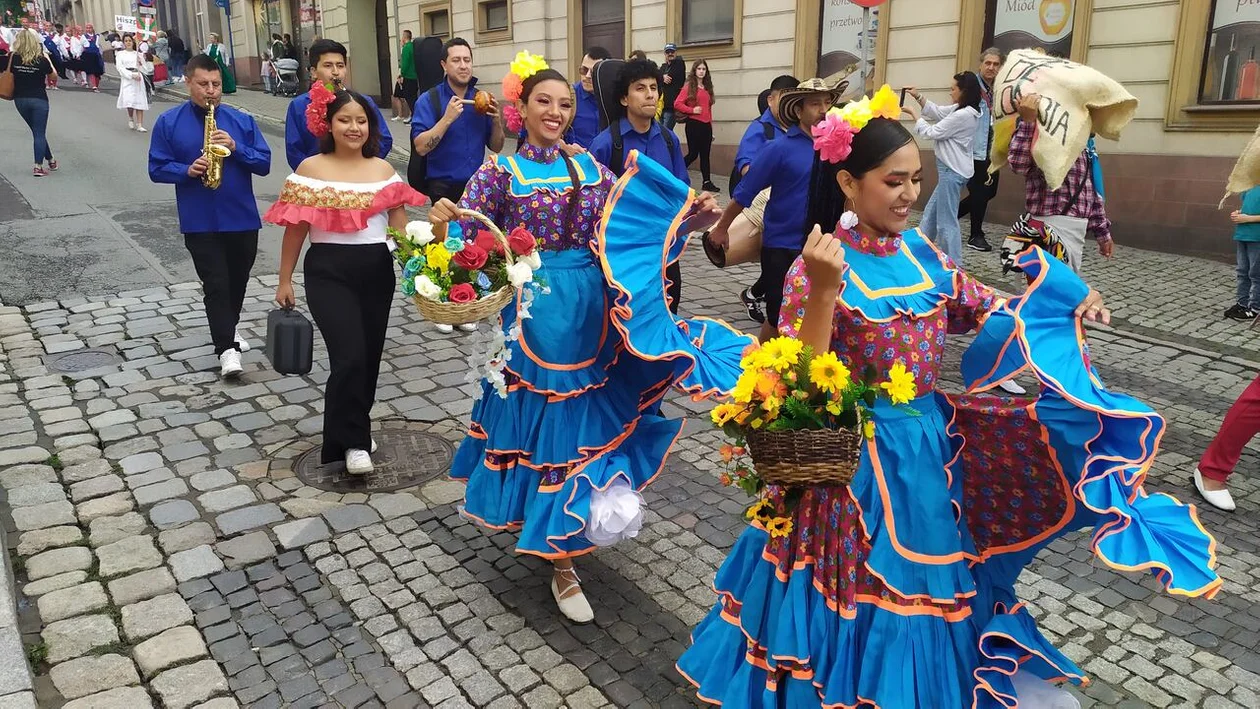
<point>512,119</point>
<point>317,111</point>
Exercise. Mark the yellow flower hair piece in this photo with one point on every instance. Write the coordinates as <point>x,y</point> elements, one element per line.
<point>886,104</point>
<point>526,65</point>
<point>857,114</point>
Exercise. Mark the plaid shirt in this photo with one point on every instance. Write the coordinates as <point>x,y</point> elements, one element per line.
<point>1040,200</point>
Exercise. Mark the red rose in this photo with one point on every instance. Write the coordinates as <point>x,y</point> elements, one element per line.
<point>488,242</point>
<point>521,241</point>
<point>471,258</point>
<point>462,292</point>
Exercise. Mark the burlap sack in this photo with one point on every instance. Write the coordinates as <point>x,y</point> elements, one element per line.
<point>1246,172</point>
<point>1076,100</point>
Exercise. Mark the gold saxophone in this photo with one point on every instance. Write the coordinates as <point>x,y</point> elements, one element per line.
<point>214,153</point>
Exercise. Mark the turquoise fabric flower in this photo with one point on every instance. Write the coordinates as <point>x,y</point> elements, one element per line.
<point>413,266</point>
<point>454,243</point>
<point>409,285</point>
<point>483,281</point>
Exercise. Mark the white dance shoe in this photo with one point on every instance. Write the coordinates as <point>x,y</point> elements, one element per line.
<point>359,462</point>
<point>1036,693</point>
<point>1220,499</point>
<point>230,364</point>
<point>1011,387</point>
<point>571,600</point>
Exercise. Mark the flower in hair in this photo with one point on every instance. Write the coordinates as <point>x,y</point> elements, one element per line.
<point>512,86</point>
<point>857,113</point>
<point>512,119</point>
<point>317,111</point>
<point>526,65</point>
<point>833,137</point>
<point>886,104</point>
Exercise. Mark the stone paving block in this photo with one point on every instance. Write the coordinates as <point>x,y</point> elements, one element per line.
<point>173,647</point>
<point>54,583</point>
<point>118,698</point>
<point>85,471</point>
<point>246,549</point>
<point>48,514</point>
<point>128,555</point>
<point>19,700</point>
<point>247,518</point>
<point>172,513</point>
<point>157,492</point>
<point>303,507</point>
<point>348,517</point>
<point>36,494</point>
<point>187,537</point>
<point>68,602</point>
<point>17,456</point>
<point>211,479</point>
<point>35,541</point>
<point>96,487</point>
<point>227,499</point>
<point>113,505</point>
<point>147,618</point>
<point>186,686</point>
<point>26,474</point>
<point>299,533</point>
<point>75,637</point>
<point>89,675</point>
<point>195,563</point>
<point>107,530</point>
<point>58,561</point>
<point>141,586</point>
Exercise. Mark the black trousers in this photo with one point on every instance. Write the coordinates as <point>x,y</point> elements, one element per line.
<point>699,143</point>
<point>223,261</point>
<point>976,203</point>
<point>437,189</point>
<point>349,290</point>
<point>674,290</point>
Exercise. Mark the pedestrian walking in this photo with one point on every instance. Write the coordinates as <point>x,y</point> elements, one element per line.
<point>133,95</point>
<point>219,221</point>
<point>638,85</point>
<point>982,187</point>
<point>53,52</point>
<point>179,55</point>
<point>31,68</point>
<point>397,101</point>
<point>785,166</point>
<point>569,430</point>
<point>328,67</point>
<point>407,70</point>
<point>897,587</point>
<point>673,76</point>
<point>1241,424</point>
<point>218,52</point>
<point>1075,210</point>
<point>953,129</point>
<point>696,101</point>
<point>1247,250</point>
<point>349,269</point>
<point>162,53</point>
<point>91,58</point>
<point>586,121</point>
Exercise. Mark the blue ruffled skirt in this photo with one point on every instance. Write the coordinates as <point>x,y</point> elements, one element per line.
<point>897,591</point>
<point>586,376</point>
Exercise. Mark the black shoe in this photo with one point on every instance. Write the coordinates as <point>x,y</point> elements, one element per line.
<point>979,243</point>
<point>710,187</point>
<point>753,305</point>
<point>1239,312</point>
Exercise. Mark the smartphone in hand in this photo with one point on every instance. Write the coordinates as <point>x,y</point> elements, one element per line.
<point>904,91</point>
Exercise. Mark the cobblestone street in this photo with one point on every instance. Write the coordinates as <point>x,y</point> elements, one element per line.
<point>166,552</point>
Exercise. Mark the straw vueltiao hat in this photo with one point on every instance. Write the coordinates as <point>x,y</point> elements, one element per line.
<point>790,100</point>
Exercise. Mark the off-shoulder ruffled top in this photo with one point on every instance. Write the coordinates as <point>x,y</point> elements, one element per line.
<point>341,212</point>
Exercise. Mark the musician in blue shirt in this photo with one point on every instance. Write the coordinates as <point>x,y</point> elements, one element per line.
<point>220,225</point>
<point>453,139</point>
<point>328,66</point>
<point>586,121</point>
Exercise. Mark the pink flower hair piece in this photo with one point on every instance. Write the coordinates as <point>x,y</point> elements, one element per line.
<point>833,138</point>
<point>512,119</point>
<point>316,112</point>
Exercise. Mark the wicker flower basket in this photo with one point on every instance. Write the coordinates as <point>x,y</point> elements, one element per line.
<point>806,457</point>
<point>482,308</point>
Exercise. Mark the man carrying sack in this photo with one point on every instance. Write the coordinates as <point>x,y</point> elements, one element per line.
<point>1046,113</point>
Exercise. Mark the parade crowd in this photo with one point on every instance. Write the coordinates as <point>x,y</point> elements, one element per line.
<point>894,590</point>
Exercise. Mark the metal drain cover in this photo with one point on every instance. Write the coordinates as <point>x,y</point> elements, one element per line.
<point>82,360</point>
<point>402,459</point>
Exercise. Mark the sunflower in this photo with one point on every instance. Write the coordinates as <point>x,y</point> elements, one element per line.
<point>781,353</point>
<point>723,413</point>
<point>760,508</point>
<point>779,527</point>
<point>900,385</point>
<point>828,373</point>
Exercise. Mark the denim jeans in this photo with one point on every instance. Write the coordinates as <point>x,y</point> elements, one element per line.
<point>667,118</point>
<point>177,65</point>
<point>35,112</point>
<point>1248,274</point>
<point>940,216</point>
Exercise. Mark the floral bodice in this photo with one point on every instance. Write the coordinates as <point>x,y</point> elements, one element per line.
<point>531,189</point>
<point>899,298</point>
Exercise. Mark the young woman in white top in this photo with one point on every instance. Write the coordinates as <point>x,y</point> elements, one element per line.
<point>132,95</point>
<point>953,128</point>
<point>343,199</point>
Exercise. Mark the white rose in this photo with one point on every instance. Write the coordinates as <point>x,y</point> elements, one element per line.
<point>520,273</point>
<point>533,259</point>
<point>426,288</point>
<point>420,232</point>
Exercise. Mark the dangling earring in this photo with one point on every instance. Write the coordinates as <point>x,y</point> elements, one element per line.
<point>849,219</point>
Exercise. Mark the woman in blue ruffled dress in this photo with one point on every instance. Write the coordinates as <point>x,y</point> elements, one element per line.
<point>897,590</point>
<point>561,455</point>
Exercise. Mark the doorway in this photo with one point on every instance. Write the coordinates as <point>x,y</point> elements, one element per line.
<point>384,55</point>
<point>604,25</point>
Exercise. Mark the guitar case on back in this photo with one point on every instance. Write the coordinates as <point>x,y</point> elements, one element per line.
<point>604,81</point>
<point>427,54</point>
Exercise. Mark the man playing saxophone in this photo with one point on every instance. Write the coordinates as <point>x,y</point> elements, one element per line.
<point>211,157</point>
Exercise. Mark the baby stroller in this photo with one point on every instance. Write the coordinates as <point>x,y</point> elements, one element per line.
<point>286,72</point>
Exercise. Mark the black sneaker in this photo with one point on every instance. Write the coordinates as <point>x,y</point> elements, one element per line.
<point>979,243</point>
<point>753,305</point>
<point>1240,312</point>
<point>710,187</point>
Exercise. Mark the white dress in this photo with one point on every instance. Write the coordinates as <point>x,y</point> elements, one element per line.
<point>132,94</point>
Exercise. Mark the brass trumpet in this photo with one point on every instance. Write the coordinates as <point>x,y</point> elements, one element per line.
<point>213,152</point>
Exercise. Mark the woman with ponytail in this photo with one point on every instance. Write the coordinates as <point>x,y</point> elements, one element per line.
<point>897,590</point>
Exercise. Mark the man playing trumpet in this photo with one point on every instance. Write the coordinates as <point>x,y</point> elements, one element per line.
<point>218,217</point>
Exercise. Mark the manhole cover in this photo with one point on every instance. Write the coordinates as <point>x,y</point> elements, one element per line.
<point>82,360</point>
<point>402,459</point>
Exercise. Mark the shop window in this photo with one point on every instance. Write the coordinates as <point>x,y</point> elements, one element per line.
<point>1230,71</point>
<point>1027,24</point>
<point>711,24</point>
<point>1215,83</point>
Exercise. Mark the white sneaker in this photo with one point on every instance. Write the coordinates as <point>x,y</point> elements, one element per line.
<point>230,364</point>
<point>131,125</point>
<point>141,129</point>
<point>358,462</point>
<point>241,343</point>
<point>444,328</point>
<point>1011,387</point>
<point>1220,499</point>
<point>574,606</point>
<point>469,327</point>
<point>373,445</point>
